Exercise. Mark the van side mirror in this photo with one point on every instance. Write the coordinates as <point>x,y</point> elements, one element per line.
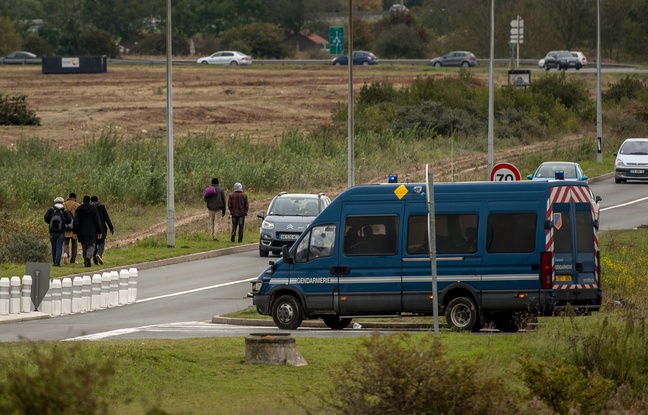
<point>598,198</point>
<point>596,224</point>
<point>285,254</point>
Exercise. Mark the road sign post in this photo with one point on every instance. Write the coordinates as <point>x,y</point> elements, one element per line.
<point>505,172</point>
<point>336,40</point>
<point>517,36</point>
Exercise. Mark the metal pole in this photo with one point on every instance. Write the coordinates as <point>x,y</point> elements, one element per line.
<point>517,62</point>
<point>491,114</point>
<point>351,145</point>
<point>599,121</point>
<point>170,188</point>
<point>432,244</point>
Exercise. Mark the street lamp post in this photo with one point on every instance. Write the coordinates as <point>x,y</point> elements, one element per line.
<point>170,187</point>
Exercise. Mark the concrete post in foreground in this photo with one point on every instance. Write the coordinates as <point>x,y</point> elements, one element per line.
<point>132,285</point>
<point>272,349</point>
<point>86,287</point>
<point>25,297</point>
<point>14,295</point>
<point>56,297</point>
<point>4,296</point>
<point>77,290</point>
<point>66,296</point>
<point>105,289</point>
<point>123,287</point>
<point>95,302</point>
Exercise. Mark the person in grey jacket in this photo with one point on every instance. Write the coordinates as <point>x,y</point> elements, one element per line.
<point>214,195</point>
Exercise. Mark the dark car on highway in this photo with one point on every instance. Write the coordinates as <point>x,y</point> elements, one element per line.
<point>562,61</point>
<point>360,57</point>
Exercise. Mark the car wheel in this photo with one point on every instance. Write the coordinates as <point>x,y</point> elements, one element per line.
<point>233,63</point>
<point>617,181</point>
<point>337,64</point>
<point>286,313</point>
<point>437,64</point>
<point>262,253</point>
<point>365,63</point>
<point>204,63</point>
<point>465,65</point>
<point>461,314</point>
<point>546,67</point>
<point>336,323</point>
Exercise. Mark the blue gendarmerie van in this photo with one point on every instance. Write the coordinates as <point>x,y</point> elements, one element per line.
<point>502,248</point>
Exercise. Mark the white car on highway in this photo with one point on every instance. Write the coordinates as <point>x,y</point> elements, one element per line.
<point>231,58</point>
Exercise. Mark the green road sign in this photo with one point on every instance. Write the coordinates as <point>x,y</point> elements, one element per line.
<point>336,40</point>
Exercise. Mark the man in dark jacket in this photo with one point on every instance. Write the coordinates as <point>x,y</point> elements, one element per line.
<point>106,224</point>
<point>214,195</point>
<point>87,229</point>
<point>238,206</point>
<point>57,217</point>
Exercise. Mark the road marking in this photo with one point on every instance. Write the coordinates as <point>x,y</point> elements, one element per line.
<point>193,291</point>
<point>624,204</point>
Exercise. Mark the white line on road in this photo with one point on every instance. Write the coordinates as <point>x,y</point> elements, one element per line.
<point>193,291</point>
<point>624,204</point>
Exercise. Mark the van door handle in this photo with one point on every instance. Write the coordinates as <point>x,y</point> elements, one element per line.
<point>339,270</point>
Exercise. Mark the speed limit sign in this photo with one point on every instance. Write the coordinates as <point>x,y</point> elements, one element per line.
<point>505,172</point>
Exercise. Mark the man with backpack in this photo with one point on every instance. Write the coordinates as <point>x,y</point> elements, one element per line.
<point>57,217</point>
<point>214,196</point>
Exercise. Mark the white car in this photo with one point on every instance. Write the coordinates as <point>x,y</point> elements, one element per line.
<point>227,57</point>
<point>580,56</point>
<point>631,160</point>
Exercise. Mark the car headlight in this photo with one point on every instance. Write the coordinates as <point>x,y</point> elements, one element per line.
<point>620,162</point>
<point>256,286</point>
<point>267,225</point>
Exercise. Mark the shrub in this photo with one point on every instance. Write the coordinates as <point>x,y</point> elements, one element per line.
<point>403,374</point>
<point>14,111</point>
<point>565,388</point>
<point>376,93</point>
<point>434,117</point>
<point>55,380</point>
<point>572,94</point>
<point>24,248</point>
<point>626,88</point>
<point>155,44</point>
<point>518,124</point>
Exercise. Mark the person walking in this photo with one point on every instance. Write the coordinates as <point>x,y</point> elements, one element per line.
<point>70,205</point>
<point>214,195</point>
<point>238,206</point>
<point>106,224</point>
<point>56,218</point>
<point>87,229</point>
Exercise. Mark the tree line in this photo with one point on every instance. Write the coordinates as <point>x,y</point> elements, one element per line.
<point>265,28</point>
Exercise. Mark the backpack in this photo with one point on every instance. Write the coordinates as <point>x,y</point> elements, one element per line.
<point>57,221</point>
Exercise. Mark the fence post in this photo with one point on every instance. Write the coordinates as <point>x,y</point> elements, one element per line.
<point>86,286</point>
<point>95,303</point>
<point>105,289</point>
<point>132,285</point>
<point>4,296</point>
<point>66,296</point>
<point>56,297</point>
<point>25,299</point>
<point>123,287</point>
<point>46,304</point>
<point>77,288</point>
<point>114,288</point>
<point>14,296</point>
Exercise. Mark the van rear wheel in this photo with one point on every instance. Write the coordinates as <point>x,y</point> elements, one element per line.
<point>287,313</point>
<point>461,314</point>
<point>336,323</point>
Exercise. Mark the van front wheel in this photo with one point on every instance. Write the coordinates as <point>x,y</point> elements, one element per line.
<point>461,314</point>
<point>336,323</point>
<point>286,313</point>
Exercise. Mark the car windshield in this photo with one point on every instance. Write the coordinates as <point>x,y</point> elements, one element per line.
<point>635,147</point>
<point>548,171</point>
<point>294,207</point>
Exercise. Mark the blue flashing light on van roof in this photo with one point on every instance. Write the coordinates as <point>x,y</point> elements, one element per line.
<point>501,248</point>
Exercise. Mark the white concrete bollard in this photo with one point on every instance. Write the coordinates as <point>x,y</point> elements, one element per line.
<point>77,289</point>
<point>46,304</point>
<point>25,298</point>
<point>95,302</point>
<point>14,296</point>
<point>132,285</point>
<point>66,296</point>
<point>123,287</point>
<point>105,289</point>
<point>86,293</point>
<point>4,296</point>
<point>114,288</point>
<point>56,297</point>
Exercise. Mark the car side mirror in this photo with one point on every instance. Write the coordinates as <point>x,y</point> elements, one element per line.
<point>260,215</point>
<point>598,198</point>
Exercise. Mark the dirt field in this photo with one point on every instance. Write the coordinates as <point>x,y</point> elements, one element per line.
<point>259,100</point>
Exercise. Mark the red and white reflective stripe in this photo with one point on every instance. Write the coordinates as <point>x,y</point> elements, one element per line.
<point>569,194</point>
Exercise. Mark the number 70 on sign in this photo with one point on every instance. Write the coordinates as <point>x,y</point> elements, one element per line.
<point>505,172</point>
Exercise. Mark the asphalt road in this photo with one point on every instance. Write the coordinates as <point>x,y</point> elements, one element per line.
<point>180,300</point>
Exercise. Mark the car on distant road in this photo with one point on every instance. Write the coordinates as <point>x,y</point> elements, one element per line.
<point>20,57</point>
<point>549,171</point>
<point>631,160</point>
<point>398,8</point>
<point>561,60</point>
<point>581,57</point>
<point>360,57</point>
<point>287,217</point>
<point>462,59</point>
<point>231,58</point>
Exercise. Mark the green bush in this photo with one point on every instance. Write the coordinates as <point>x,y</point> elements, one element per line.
<point>565,388</point>
<point>66,380</point>
<point>14,111</point>
<point>155,44</point>
<point>404,374</point>
<point>20,248</point>
<point>573,94</point>
<point>626,88</point>
<point>436,118</point>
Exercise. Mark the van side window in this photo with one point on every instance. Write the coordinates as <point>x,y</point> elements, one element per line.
<point>371,235</point>
<point>318,243</point>
<point>455,234</point>
<point>511,233</point>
